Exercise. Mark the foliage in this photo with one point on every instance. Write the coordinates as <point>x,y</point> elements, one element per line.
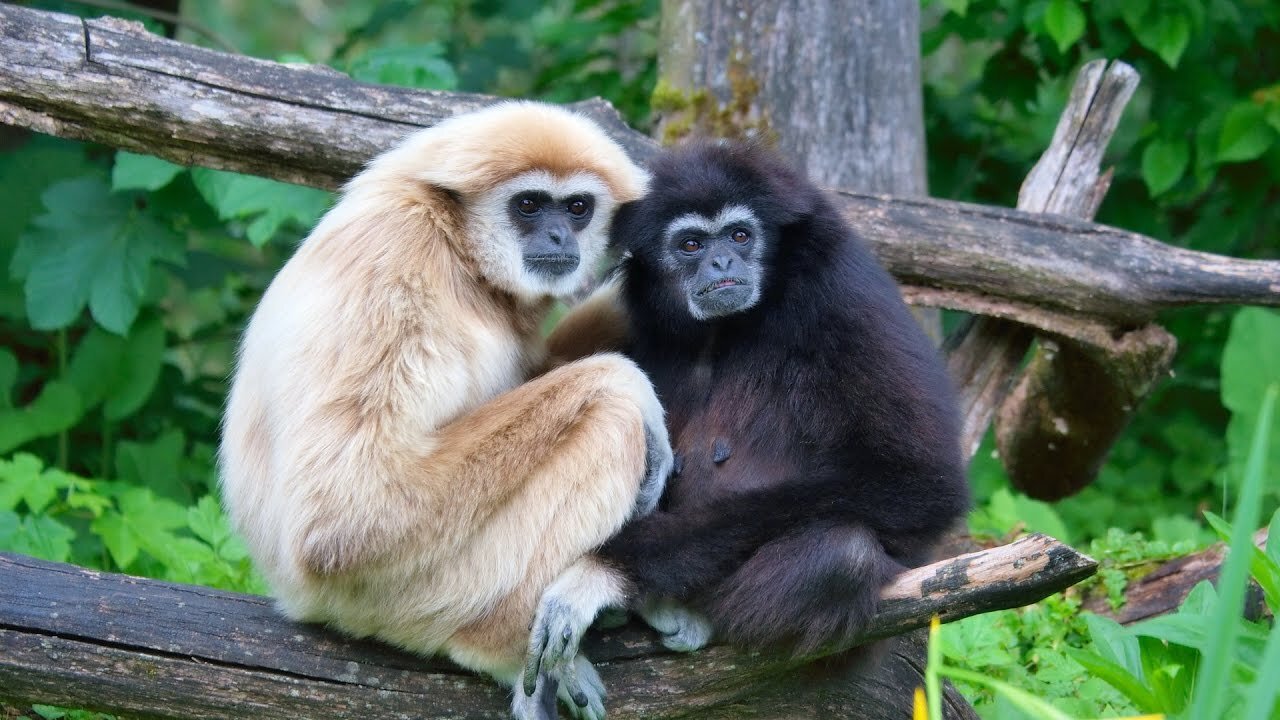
<point>1206,660</point>
<point>1196,162</point>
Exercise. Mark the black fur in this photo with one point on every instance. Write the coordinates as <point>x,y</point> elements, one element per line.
<point>834,408</point>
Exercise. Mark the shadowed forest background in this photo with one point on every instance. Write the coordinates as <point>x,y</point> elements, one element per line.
<point>129,278</point>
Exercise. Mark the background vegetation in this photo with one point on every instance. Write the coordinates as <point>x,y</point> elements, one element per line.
<point>128,279</point>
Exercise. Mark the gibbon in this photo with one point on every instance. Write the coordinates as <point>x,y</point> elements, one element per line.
<point>816,430</point>
<point>390,452</point>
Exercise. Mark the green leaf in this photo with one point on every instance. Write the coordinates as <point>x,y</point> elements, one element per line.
<point>1166,35</point>
<point>117,537</point>
<point>1261,696</point>
<point>24,478</point>
<point>136,377</point>
<point>207,522</point>
<point>959,7</point>
<point>142,172</point>
<point>1134,12</point>
<point>1225,625</point>
<point>25,172</point>
<point>1273,543</point>
<point>1245,133</point>
<point>1065,22</point>
<point>37,535</point>
<point>55,409</point>
<point>1117,677</point>
<point>1250,363</point>
<point>144,522</point>
<point>89,248</point>
<point>268,205</point>
<point>1163,162</point>
<point>156,465</point>
<point>1264,569</point>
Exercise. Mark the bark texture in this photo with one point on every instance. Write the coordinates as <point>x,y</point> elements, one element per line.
<point>836,84</point>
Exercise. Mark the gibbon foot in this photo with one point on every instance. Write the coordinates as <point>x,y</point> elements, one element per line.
<point>683,628</point>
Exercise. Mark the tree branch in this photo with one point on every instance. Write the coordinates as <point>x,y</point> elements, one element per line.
<point>123,644</point>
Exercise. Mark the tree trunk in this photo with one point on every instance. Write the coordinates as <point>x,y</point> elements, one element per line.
<point>835,84</point>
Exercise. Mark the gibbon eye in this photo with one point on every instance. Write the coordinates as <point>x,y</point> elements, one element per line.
<point>578,208</point>
<point>527,206</point>
<point>740,235</point>
<point>690,245</point>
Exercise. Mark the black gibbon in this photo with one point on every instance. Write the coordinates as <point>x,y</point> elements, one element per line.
<point>815,428</point>
<point>387,456</point>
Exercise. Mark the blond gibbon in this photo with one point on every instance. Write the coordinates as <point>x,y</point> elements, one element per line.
<point>395,451</point>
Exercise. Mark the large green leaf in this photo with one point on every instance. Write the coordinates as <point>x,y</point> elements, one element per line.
<point>89,248</point>
<point>266,204</point>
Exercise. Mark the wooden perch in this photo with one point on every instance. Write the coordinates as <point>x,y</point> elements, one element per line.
<point>109,81</point>
<point>122,644</point>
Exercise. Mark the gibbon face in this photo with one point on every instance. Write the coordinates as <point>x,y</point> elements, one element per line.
<point>536,186</point>
<point>717,260</point>
<point>546,232</point>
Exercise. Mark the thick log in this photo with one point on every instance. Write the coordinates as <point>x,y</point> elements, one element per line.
<point>108,81</point>
<point>115,643</point>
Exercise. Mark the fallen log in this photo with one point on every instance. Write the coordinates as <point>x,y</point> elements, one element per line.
<point>1163,587</point>
<point>115,643</point>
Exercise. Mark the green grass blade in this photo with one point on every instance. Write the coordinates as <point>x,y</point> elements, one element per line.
<point>1211,683</point>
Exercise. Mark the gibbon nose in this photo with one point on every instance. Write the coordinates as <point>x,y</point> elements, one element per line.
<point>722,262</point>
<point>555,237</point>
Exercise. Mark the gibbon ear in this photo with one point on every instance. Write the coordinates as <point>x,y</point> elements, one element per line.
<point>622,228</point>
<point>795,200</point>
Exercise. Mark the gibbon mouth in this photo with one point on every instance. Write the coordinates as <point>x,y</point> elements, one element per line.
<point>721,285</point>
<point>552,263</point>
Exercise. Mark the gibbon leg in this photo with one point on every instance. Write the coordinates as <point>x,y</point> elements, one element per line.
<point>541,476</point>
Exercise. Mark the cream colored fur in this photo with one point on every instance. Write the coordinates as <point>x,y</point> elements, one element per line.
<point>387,456</point>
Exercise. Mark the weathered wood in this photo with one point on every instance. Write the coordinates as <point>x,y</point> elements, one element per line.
<point>116,643</point>
<point>1065,182</point>
<point>836,84</point>
<point>1059,421</point>
<point>110,82</point>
